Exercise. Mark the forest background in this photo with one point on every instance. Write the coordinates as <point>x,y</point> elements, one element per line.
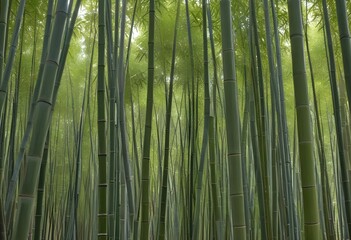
<point>175,119</point>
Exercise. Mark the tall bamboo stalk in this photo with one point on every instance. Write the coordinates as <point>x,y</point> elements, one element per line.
<point>191,124</point>
<point>338,121</point>
<point>41,120</point>
<point>304,124</point>
<point>236,193</point>
<point>145,166</point>
<point>272,82</point>
<point>345,42</point>
<point>5,78</point>
<point>206,122</point>
<point>112,122</point>
<point>285,172</point>
<point>167,133</point>
<point>213,136</point>
<point>122,119</point>
<point>102,151</point>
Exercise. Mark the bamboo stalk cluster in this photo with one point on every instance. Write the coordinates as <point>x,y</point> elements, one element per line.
<point>175,120</point>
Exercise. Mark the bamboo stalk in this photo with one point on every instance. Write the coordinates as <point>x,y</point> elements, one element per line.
<point>307,163</point>
<point>41,118</point>
<point>236,193</point>
<point>145,165</point>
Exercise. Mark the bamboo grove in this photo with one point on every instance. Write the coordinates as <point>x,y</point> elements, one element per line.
<point>179,119</point>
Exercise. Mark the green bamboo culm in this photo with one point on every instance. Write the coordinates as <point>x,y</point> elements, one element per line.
<point>283,138</point>
<point>232,119</point>
<point>304,125</point>
<point>41,121</point>
<point>339,134</point>
<point>41,184</point>
<point>345,42</point>
<point>102,152</point>
<point>122,120</point>
<point>165,175</point>
<point>268,213</point>
<point>145,165</point>
<point>191,124</point>
<point>205,137</point>
<point>6,75</point>
<point>14,178</point>
<point>112,124</point>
